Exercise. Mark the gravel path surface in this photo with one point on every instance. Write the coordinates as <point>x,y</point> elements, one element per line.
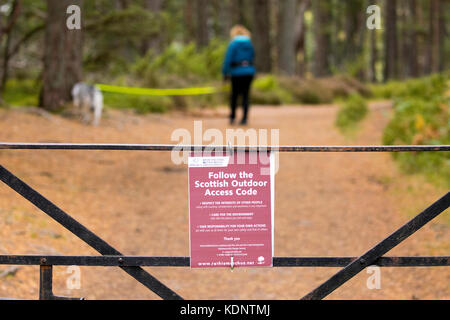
<point>327,204</point>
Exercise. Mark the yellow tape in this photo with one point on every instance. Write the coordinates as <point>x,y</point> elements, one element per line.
<point>158,92</point>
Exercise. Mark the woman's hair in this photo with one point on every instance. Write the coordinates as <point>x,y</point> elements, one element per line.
<point>239,30</point>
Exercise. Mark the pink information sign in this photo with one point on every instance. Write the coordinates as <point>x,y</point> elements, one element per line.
<point>231,207</point>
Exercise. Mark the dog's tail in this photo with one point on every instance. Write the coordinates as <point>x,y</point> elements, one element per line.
<point>76,89</point>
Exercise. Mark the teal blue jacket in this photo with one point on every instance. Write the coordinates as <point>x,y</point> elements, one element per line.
<point>239,50</point>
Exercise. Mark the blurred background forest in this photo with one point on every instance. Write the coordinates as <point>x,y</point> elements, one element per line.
<point>307,52</point>
<point>176,44</point>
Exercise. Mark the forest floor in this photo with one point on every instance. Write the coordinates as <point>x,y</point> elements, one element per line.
<point>327,204</point>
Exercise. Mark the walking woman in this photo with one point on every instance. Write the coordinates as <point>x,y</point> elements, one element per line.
<point>238,66</point>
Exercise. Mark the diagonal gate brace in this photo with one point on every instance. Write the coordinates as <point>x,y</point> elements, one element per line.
<point>379,250</point>
<point>83,233</point>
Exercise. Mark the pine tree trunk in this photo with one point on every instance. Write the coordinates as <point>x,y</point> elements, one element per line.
<point>202,23</point>
<point>353,29</point>
<point>421,39</point>
<point>435,37</point>
<point>221,18</point>
<point>261,35</point>
<point>373,56</point>
<point>6,31</point>
<point>62,56</point>
<point>443,33</point>
<point>238,16</point>
<point>300,36</point>
<point>411,42</point>
<point>321,10</point>
<point>189,34</point>
<point>155,42</point>
<point>391,42</point>
<point>227,16</point>
<point>286,37</point>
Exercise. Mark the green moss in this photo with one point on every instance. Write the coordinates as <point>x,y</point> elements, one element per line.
<point>265,97</point>
<point>142,104</point>
<point>309,95</point>
<point>22,93</point>
<point>351,112</point>
<point>418,121</point>
<point>425,88</point>
<point>183,62</point>
<point>267,90</point>
<point>422,116</point>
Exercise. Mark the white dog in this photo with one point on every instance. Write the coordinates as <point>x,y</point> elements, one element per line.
<point>89,100</point>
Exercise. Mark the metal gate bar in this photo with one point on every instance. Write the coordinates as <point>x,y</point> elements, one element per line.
<point>83,233</point>
<point>46,285</point>
<point>176,147</point>
<point>134,261</point>
<point>381,248</point>
<point>132,265</point>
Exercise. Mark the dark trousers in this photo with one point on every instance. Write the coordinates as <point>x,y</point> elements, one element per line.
<point>240,86</point>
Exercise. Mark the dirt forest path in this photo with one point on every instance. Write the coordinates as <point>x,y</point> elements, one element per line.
<point>327,204</point>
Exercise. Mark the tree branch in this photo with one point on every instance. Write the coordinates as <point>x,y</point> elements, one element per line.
<point>16,9</point>
<point>300,25</point>
<point>24,39</point>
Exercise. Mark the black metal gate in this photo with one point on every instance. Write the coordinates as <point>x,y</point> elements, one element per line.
<point>133,264</point>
